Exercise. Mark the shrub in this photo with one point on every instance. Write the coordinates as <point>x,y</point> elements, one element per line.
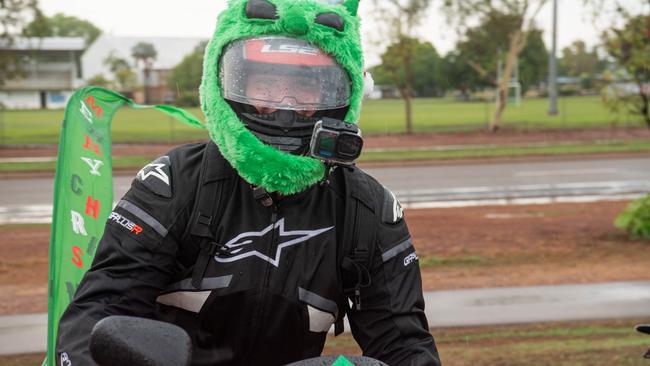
<point>188,99</point>
<point>636,219</point>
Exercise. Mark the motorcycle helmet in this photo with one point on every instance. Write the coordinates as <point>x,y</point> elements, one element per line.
<point>272,69</point>
<point>279,87</point>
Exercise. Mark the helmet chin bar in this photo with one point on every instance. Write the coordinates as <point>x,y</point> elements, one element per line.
<point>291,145</point>
<point>284,120</point>
<point>286,130</point>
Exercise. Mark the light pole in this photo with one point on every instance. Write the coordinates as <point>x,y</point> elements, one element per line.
<point>552,67</point>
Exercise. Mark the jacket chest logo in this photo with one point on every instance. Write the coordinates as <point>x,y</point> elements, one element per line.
<point>250,244</point>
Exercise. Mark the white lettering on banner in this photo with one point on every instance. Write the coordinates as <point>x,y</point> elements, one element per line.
<point>94,165</point>
<point>78,223</point>
<point>85,111</point>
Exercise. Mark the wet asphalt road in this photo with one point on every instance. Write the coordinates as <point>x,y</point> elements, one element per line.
<point>409,179</point>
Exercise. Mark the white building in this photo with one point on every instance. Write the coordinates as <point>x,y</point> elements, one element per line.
<point>52,71</point>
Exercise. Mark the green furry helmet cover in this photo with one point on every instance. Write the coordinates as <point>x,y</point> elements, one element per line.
<point>257,163</point>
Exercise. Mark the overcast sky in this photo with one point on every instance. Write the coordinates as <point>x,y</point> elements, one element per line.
<point>196,18</point>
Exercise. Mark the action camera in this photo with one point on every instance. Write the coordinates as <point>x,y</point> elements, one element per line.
<point>336,142</point>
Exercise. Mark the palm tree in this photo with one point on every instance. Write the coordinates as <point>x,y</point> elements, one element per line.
<point>146,53</point>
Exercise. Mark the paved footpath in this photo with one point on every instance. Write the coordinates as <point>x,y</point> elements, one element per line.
<point>506,305</point>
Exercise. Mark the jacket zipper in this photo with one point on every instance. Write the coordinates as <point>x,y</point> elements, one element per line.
<point>262,298</point>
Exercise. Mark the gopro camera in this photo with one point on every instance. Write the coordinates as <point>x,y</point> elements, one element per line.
<point>336,142</point>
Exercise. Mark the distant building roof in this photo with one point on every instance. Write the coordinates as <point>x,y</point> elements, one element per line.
<point>46,44</point>
<point>170,52</point>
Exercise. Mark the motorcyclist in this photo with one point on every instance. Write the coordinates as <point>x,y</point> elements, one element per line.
<point>249,243</point>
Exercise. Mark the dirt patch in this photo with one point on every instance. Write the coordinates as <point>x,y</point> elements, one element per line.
<point>525,245</point>
<point>505,136</point>
<point>458,248</point>
<point>23,268</point>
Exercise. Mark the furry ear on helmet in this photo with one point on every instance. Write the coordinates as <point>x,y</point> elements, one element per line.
<point>368,84</point>
<point>353,6</point>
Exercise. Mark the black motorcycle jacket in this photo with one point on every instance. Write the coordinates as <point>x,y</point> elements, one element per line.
<point>267,284</point>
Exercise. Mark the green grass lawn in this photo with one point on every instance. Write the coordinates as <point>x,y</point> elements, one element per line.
<point>129,125</point>
<point>379,116</point>
<point>387,116</point>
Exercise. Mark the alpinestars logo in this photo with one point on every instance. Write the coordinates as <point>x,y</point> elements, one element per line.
<point>154,170</point>
<point>247,244</point>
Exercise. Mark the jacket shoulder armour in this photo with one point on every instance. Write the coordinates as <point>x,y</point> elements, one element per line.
<point>162,194</point>
<point>379,198</point>
<point>393,238</point>
<point>172,176</point>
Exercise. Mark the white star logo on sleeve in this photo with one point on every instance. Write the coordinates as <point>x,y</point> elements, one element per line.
<point>160,170</point>
<point>153,170</point>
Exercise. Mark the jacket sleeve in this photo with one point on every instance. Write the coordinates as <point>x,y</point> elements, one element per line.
<point>136,258</point>
<point>391,325</point>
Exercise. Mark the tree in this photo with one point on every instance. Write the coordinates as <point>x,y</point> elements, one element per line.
<point>533,61</point>
<point>99,80</point>
<point>629,46</point>
<point>186,77</point>
<point>577,60</point>
<point>426,68</point>
<point>400,17</point>
<point>457,74</point>
<point>61,25</point>
<point>146,53</point>
<point>125,78</point>
<point>481,51</point>
<point>14,14</point>
<point>523,13</point>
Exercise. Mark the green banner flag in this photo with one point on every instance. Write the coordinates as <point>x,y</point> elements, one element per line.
<point>83,193</point>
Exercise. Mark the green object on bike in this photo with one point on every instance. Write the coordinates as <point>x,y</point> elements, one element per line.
<point>342,361</point>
